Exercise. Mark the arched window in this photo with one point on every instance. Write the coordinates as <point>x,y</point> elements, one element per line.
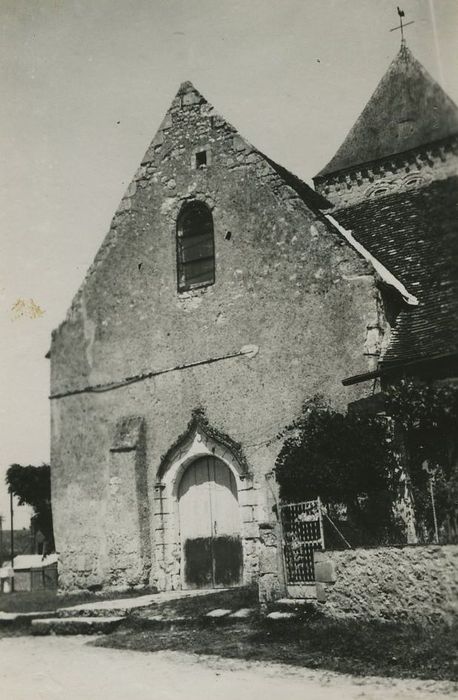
<point>195,247</point>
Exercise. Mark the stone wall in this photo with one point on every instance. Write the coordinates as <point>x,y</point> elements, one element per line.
<point>284,282</point>
<point>128,514</point>
<point>401,172</point>
<point>391,583</point>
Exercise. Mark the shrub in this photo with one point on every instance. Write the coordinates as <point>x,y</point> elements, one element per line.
<point>346,460</point>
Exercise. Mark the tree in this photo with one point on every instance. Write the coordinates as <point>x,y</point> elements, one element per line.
<point>346,460</point>
<point>32,486</point>
<point>427,417</point>
<point>353,463</point>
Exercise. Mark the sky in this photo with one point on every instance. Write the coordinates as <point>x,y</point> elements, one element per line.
<point>85,84</point>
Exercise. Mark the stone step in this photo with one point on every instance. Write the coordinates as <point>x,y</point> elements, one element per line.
<point>218,613</point>
<point>108,608</point>
<point>75,625</point>
<point>304,591</point>
<point>281,616</point>
<point>121,607</point>
<point>242,614</point>
<point>289,603</point>
<point>9,618</point>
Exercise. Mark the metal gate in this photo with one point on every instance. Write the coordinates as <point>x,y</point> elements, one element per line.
<point>302,535</point>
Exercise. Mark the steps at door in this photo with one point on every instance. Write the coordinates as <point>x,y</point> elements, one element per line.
<point>302,591</point>
<point>109,608</point>
<point>291,609</point>
<point>75,625</point>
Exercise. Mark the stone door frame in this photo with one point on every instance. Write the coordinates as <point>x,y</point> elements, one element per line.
<point>166,523</point>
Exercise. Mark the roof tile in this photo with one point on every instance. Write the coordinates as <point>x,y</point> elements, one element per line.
<point>415,235</point>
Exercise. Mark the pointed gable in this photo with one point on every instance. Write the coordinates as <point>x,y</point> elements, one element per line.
<point>408,109</point>
<point>271,258</point>
<point>191,127</point>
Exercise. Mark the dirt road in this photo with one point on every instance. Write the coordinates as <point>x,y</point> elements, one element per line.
<point>67,668</point>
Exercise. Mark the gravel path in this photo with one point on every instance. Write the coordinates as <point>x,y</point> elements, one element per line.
<point>67,668</point>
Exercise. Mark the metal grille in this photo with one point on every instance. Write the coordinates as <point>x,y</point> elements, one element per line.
<point>302,535</point>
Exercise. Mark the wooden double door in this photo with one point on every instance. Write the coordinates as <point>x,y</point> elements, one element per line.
<point>210,525</point>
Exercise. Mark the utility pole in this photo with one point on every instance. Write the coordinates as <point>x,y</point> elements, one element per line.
<point>431,474</point>
<point>12,537</point>
<point>433,504</point>
<point>1,541</point>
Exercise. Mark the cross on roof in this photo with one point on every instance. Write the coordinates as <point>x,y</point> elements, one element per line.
<point>401,14</point>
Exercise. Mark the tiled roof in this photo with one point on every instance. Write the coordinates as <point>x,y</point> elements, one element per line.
<point>408,109</point>
<point>415,235</point>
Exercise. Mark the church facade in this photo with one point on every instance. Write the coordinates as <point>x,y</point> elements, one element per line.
<point>226,293</point>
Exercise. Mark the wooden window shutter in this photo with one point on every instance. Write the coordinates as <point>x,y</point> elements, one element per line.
<point>195,247</point>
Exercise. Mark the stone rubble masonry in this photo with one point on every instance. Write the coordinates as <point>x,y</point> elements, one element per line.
<point>285,282</point>
<point>391,583</point>
<point>436,161</point>
<point>128,514</point>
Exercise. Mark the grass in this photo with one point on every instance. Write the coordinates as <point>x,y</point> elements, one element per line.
<point>361,648</point>
<point>196,606</point>
<point>40,601</point>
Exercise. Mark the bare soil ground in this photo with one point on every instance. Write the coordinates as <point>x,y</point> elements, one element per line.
<point>391,649</point>
<point>55,668</point>
<point>346,646</point>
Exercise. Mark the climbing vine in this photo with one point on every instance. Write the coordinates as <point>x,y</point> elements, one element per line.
<point>346,460</point>
<point>353,463</point>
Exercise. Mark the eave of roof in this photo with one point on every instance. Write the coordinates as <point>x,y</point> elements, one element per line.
<point>395,369</point>
<point>381,270</point>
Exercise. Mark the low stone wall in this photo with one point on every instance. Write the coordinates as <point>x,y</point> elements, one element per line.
<point>410,582</point>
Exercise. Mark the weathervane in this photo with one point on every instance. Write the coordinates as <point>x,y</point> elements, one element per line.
<point>401,14</point>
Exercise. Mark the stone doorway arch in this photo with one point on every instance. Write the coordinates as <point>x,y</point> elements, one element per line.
<point>199,441</point>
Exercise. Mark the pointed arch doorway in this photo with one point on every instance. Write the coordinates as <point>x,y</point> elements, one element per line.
<point>211,544</point>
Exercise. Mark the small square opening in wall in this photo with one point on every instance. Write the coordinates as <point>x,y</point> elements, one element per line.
<point>201,159</point>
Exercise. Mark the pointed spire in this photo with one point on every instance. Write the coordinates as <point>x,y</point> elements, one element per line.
<point>408,109</point>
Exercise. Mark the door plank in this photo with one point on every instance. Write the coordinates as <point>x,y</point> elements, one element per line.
<point>210,525</point>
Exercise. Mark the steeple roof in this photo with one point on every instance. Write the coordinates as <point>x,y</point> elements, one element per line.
<point>407,110</point>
